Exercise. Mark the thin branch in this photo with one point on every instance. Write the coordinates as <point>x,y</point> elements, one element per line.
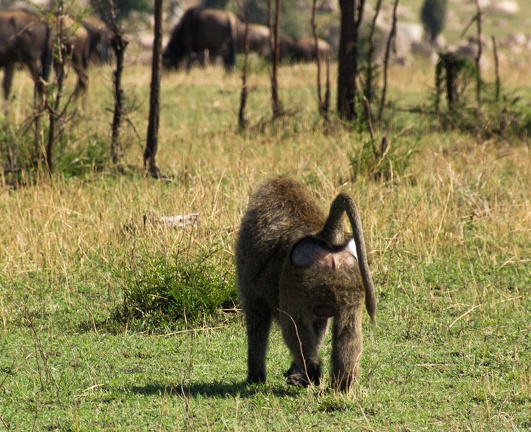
<point>368,91</point>
<point>496,68</point>
<point>300,344</point>
<point>274,42</point>
<point>323,109</point>
<point>242,122</point>
<point>480,52</point>
<point>390,40</point>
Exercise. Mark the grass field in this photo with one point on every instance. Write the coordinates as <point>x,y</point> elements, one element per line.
<point>448,236</point>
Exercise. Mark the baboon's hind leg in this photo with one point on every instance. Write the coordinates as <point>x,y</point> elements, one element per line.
<point>258,319</point>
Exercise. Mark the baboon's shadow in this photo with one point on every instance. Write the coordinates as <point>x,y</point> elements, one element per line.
<point>214,389</point>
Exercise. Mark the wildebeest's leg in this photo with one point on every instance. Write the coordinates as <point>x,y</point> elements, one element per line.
<point>225,53</point>
<point>303,343</point>
<point>8,79</point>
<point>80,68</point>
<point>198,57</point>
<point>188,62</point>
<point>82,84</point>
<point>38,90</point>
<point>258,319</point>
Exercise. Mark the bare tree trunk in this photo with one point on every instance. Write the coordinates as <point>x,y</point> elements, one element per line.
<point>327,92</point>
<point>59,49</point>
<point>496,68</point>
<point>119,45</point>
<point>351,18</point>
<point>39,106</point>
<point>346,75</point>
<point>323,108</point>
<point>274,41</point>
<point>390,41</point>
<point>369,87</point>
<point>154,103</point>
<point>242,122</point>
<point>479,21</point>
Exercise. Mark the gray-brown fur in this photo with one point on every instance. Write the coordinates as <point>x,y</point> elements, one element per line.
<point>296,265</point>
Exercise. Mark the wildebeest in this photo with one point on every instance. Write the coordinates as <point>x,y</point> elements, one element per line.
<point>100,39</point>
<point>24,38</point>
<point>199,30</point>
<point>303,49</point>
<point>28,39</point>
<point>258,38</point>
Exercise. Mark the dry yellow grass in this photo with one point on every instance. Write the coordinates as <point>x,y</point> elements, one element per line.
<point>455,181</point>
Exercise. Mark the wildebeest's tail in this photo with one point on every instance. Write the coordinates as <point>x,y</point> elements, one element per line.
<point>46,55</point>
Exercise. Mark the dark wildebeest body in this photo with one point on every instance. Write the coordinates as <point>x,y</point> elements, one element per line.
<point>303,49</point>
<point>200,30</point>
<point>258,38</point>
<point>27,38</point>
<point>24,38</point>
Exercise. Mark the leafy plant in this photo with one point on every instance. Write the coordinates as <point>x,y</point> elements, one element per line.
<point>453,74</point>
<point>168,291</point>
<point>92,155</point>
<point>387,163</point>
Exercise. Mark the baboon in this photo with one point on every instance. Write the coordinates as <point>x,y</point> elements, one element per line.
<point>298,266</point>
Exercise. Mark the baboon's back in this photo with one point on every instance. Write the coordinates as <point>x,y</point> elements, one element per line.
<point>279,214</point>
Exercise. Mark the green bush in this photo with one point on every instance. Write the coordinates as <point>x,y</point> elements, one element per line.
<point>176,291</point>
<point>89,155</point>
<point>389,162</point>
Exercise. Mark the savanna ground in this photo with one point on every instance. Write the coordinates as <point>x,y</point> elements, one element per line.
<point>448,235</point>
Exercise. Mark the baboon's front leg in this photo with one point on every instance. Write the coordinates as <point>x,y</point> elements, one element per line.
<point>347,345</point>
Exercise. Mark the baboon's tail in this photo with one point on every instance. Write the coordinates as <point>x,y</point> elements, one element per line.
<point>331,233</point>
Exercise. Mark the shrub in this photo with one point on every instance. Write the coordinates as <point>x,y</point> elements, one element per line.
<point>89,155</point>
<point>19,155</point>
<point>389,162</point>
<point>175,291</point>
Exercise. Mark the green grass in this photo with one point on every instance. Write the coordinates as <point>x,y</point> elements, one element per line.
<point>450,352</point>
<point>448,237</point>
